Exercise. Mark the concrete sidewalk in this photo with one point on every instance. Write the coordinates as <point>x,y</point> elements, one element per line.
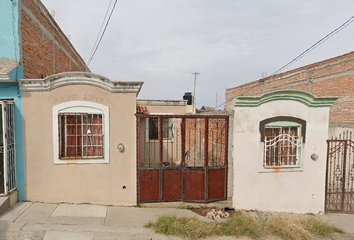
<point>28,220</point>
<point>43,221</point>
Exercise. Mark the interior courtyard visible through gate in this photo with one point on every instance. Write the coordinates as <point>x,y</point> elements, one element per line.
<point>182,158</point>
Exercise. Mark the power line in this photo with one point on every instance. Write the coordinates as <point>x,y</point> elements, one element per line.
<point>99,33</point>
<point>335,31</point>
<point>338,29</point>
<point>105,28</point>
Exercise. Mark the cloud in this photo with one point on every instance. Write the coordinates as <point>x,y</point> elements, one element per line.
<point>229,42</point>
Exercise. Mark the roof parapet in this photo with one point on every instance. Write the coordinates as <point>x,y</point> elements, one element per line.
<point>300,96</point>
<point>78,78</point>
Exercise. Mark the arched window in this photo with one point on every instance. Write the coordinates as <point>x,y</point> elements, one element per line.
<point>283,138</point>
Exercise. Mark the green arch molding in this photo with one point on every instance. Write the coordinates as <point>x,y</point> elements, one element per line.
<point>300,96</point>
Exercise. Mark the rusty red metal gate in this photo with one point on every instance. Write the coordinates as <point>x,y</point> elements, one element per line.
<point>340,174</point>
<point>182,158</point>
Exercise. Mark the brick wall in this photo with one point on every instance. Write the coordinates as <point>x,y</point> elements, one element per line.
<point>45,48</point>
<point>195,141</point>
<point>331,77</point>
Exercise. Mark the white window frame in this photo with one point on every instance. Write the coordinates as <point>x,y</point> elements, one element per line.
<point>299,151</point>
<point>171,122</point>
<point>80,107</point>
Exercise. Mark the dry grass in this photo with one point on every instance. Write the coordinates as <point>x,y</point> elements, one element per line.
<point>243,224</point>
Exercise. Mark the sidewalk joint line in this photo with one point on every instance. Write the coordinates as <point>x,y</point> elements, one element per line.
<point>53,210</point>
<point>23,212</point>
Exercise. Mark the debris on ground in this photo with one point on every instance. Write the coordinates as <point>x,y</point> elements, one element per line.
<point>215,213</point>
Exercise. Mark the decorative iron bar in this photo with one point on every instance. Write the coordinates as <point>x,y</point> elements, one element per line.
<point>10,143</point>
<point>282,150</point>
<point>2,153</point>
<point>81,135</point>
<point>340,174</point>
<point>7,148</point>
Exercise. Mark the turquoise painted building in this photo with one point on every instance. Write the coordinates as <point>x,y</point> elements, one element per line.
<point>11,70</point>
<point>32,46</point>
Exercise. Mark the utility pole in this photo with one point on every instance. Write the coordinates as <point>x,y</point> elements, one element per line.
<point>216,100</point>
<point>195,83</point>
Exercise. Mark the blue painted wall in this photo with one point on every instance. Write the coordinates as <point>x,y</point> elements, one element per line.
<point>9,37</point>
<point>9,48</point>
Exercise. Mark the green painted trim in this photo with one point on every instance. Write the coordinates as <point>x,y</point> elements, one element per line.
<point>283,124</point>
<point>300,96</point>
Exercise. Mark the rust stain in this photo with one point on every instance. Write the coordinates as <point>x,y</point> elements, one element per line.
<point>276,170</point>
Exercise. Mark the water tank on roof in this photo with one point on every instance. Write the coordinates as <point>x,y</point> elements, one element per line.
<point>189,97</point>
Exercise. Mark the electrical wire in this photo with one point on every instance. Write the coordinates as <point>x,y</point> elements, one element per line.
<point>325,38</point>
<point>99,33</point>
<point>104,30</point>
<point>335,31</point>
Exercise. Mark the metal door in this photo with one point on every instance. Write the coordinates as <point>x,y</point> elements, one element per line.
<point>340,174</point>
<point>182,158</point>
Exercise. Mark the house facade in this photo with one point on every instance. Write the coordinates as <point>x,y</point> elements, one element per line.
<point>298,156</point>
<point>280,152</point>
<point>32,46</point>
<point>81,143</point>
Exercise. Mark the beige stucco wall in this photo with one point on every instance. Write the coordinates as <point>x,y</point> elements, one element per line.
<point>79,183</point>
<point>176,110</point>
<point>297,191</point>
<point>176,107</point>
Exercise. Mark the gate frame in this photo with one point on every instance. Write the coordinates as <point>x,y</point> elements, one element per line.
<point>346,141</point>
<point>160,168</point>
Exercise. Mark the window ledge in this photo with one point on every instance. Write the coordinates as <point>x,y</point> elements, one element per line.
<point>276,170</point>
<point>80,161</point>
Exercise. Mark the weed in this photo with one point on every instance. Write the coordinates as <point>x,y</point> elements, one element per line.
<point>287,228</point>
<point>284,227</point>
<point>241,225</point>
<point>319,228</point>
<point>138,205</point>
<point>185,227</point>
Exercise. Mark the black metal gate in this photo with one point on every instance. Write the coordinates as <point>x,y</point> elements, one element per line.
<point>340,174</point>
<point>182,158</point>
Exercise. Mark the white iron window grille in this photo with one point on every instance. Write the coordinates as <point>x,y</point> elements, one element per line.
<point>282,146</point>
<point>81,136</point>
<point>7,148</point>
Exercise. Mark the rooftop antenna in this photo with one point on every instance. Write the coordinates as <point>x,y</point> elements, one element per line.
<point>195,83</point>
<point>53,13</point>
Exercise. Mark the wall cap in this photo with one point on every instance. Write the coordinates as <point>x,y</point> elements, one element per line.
<point>300,96</point>
<point>4,77</point>
<point>156,102</point>
<point>78,78</point>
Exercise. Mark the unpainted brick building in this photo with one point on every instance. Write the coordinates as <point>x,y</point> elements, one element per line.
<point>46,50</point>
<point>328,78</point>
